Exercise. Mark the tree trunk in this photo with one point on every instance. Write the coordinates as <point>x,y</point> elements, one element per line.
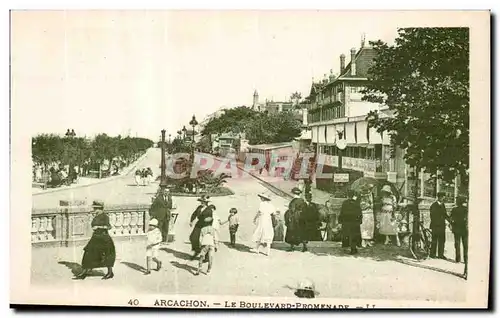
<point>416,216</point>
<point>100,170</point>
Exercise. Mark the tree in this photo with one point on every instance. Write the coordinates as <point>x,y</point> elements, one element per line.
<point>424,80</point>
<point>232,120</point>
<point>272,128</point>
<point>46,149</point>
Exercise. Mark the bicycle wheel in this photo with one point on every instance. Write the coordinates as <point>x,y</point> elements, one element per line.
<point>418,247</point>
<point>427,236</point>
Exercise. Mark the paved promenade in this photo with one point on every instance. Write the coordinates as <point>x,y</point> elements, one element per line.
<point>120,189</point>
<point>379,272</point>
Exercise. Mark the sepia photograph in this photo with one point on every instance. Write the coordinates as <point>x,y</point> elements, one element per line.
<point>250,159</point>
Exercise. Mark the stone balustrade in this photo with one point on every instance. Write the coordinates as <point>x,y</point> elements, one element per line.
<point>68,225</point>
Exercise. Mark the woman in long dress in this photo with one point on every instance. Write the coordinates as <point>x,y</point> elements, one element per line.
<point>100,250</point>
<point>264,232</point>
<point>194,238</point>
<point>294,232</point>
<point>388,222</point>
<point>138,177</point>
<point>368,222</point>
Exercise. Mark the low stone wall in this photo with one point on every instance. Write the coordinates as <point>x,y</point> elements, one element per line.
<point>69,225</point>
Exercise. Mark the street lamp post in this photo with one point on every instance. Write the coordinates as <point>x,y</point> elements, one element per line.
<point>193,123</point>
<point>184,130</point>
<point>341,145</point>
<point>163,177</point>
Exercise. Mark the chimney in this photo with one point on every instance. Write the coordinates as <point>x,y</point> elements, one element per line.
<point>332,77</point>
<point>353,63</point>
<point>342,63</point>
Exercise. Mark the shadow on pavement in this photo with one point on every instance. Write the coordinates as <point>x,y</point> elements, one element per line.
<point>177,254</point>
<point>239,247</point>
<point>185,267</point>
<point>77,269</point>
<point>377,252</point>
<point>432,268</point>
<point>134,266</point>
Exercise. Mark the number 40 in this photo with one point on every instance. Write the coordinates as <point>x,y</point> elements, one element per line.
<point>133,302</point>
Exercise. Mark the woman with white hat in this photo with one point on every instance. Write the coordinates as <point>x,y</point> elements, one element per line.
<point>264,232</point>
<point>388,223</point>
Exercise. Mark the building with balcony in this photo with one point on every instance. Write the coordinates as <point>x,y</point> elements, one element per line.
<point>336,111</point>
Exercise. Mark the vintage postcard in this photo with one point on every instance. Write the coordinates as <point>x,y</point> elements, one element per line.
<point>250,159</point>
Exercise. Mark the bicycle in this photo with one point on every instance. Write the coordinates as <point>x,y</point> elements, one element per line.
<point>420,242</point>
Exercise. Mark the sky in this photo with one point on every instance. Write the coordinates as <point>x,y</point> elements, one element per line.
<point>137,72</point>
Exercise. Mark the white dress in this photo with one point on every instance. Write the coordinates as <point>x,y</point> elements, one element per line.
<point>216,226</point>
<point>264,232</point>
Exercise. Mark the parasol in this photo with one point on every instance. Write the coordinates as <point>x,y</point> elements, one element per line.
<point>363,183</point>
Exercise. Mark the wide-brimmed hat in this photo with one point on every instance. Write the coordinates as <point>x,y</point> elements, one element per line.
<point>204,198</point>
<point>153,222</point>
<point>306,285</point>
<point>98,204</point>
<point>264,196</point>
<point>233,210</point>
<point>296,191</point>
<point>387,188</point>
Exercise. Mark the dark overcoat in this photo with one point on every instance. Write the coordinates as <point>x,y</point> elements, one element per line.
<point>438,217</point>
<point>160,210</point>
<point>293,221</point>
<point>199,216</point>
<point>351,218</point>
<point>100,250</point>
<point>310,223</point>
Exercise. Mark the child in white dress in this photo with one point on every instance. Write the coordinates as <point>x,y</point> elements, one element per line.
<point>153,245</point>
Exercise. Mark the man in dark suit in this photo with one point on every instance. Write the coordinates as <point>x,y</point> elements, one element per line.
<point>459,226</point>
<point>351,217</point>
<point>438,226</point>
<point>160,210</point>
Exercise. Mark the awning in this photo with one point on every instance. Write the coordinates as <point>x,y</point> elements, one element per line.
<point>331,134</point>
<point>305,135</point>
<point>362,132</point>
<point>321,134</point>
<point>314,134</point>
<point>349,133</point>
<point>375,137</point>
<point>386,138</point>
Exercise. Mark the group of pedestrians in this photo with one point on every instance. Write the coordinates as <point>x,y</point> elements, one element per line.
<point>302,220</point>
<point>100,250</point>
<point>143,176</point>
<point>457,220</point>
<point>357,222</point>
